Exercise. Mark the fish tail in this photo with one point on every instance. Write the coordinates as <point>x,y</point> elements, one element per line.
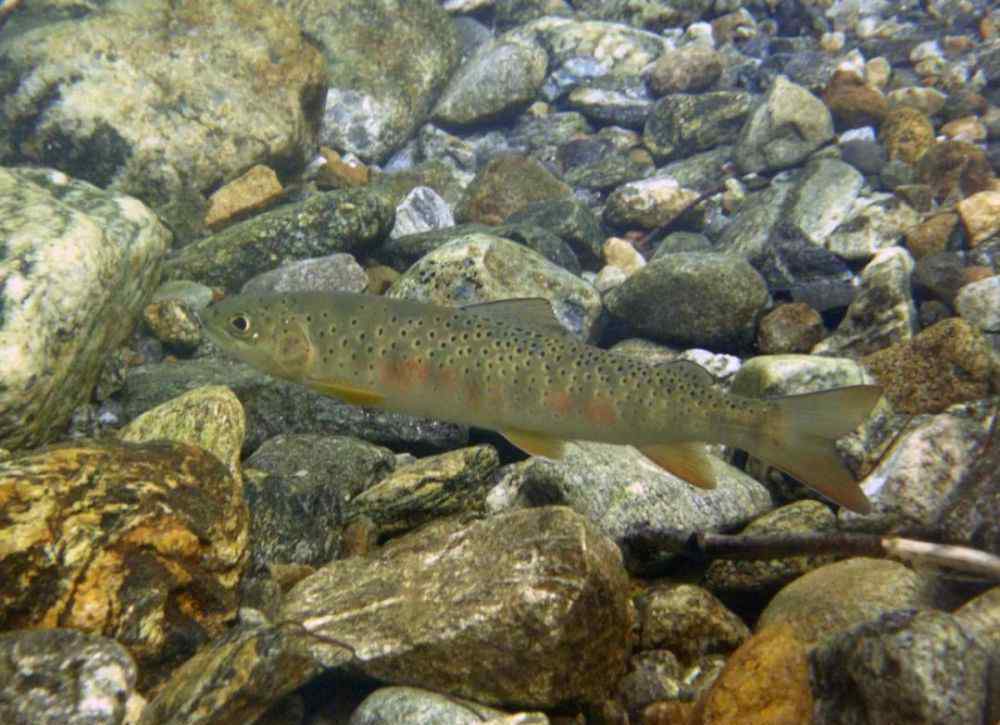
<point>798,437</point>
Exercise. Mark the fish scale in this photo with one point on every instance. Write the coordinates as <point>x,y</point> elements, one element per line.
<point>509,366</point>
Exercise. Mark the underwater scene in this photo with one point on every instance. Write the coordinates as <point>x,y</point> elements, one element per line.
<point>611,362</point>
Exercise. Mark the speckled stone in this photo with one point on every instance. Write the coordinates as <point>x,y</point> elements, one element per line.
<point>507,184</point>
<point>77,264</point>
<point>907,134</point>
<point>790,328</point>
<point>689,621</point>
<point>171,322</point>
<point>109,538</point>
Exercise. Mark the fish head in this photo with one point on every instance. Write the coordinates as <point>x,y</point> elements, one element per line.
<point>263,330</point>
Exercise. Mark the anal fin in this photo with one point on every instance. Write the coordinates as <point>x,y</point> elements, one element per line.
<point>683,459</point>
<point>354,396</point>
<point>536,444</point>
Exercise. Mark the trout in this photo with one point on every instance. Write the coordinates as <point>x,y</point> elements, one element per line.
<point>509,366</point>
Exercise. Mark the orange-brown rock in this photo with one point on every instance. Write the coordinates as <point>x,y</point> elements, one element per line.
<point>945,364</point>
<point>954,170</point>
<point>667,712</point>
<point>141,543</point>
<point>907,134</point>
<point>765,682</point>
<point>256,189</point>
<point>852,102</point>
<point>981,215</point>
<point>505,185</point>
<point>338,174</point>
<point>931,236</point>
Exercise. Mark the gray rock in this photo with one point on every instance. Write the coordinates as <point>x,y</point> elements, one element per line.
<point>235,678</point>
<point>503,76</point>
<point>612,100</point>
<point>649,203</point>
<point>689,621</point>
<point>809,273</point>
<point>619,489</point>
<point>703,172</point>
<point>835,598</point>
<point>883,312</point>
<point>766,576</point>
<point>680,125</point>
<point>297,507</point>
<point>754,224</point>
<point>386,61</point>
<point>481,268</point>
<point>422,210</point>
<point>345,220</point>
<point>789,125</point>
<point>400,705</point>
<point>654,675</point>
<point>571,220</point>
<point>980,618</point>
<point>676,242</point>
<point>536,133</point>
<point>77,264</point>
<point>822,199</point>
<point>194,296</point>
<point>906,666</point>
<point>426,611</point>
<point>979,304</point>
<point>163,119</point>
<point>63,676</point>
<point>275,407</point>
<point>597,164</point>
<point>693,298</point>
<point>449,483</point>
<point>333,273</point>
<point>689,69</point>
<point>873,224</point>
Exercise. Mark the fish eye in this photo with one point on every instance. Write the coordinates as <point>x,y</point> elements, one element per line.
<point>240,324</point>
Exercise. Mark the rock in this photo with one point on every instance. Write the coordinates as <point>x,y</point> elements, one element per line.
<point>822,199</point>
<point>597,164</point>
<point>765,681</point>
<point>335,172</point>
<point>648,204</point>
<point>422,210</point>
<point>945,364</point>
<point>500,78</point>
<point>683,242</point>
<point>941,275</point>
<point>143,543</point>
<point>210,417</point>
<point>789,125</point>
<point>767,576</point>
<point>386,64</point>
<point>481,268</point>
<point>333,273</point>
<point>980,618</point>
<point>874,223</point>
<point>346,220</point>
<point>682,124</point>
<point>55,676</point>
<point>833,599</point>
<point>508,183</point>
<point>865,155</point>
<point>612,101</point>
<point>403,612</point>
<point>252,87</point>
<point>931,236</point>
<point>654,675</point>
<point>915,484</point>
<point>928,101</point>
<point>921,667</point>
<point>620,253</point>
<point>853,103</point>
<point>689,69</point>
<point>619,489</point>
<point>299,495</point>
<point>256,189</point>
<point>955,169</point>
<point>77,265</point>
<point>693,298</point>
<point>173,324</point>
<point>980,215</point>
<point>883,312</point>
<point>979,304</point>
<point>275,407</point>
<point>688,621</point>
<point>790,328</point>
<point>194,296</point>
<point>449,483</point>
<point>609,277</point>
<point>907,134</point>
<point>571,220</point>
<point>388,705</point>
<point>234,678</point>
<point>967,128</point>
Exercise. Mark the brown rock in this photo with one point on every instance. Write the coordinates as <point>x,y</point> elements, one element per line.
<point>931,236</point>
<point>141,543</point>
<point>955,169</point>
<point>689,621</point>
<point>980,215</point>
<point>507,184</point>
<point>685,70</point>
<point>765,682</point>
<point>907,134</point>
<point>790,328</point>
<point>853,103</point>
<point>256,189</point>
<point>337,173</point>
<point>968,128</point>
<point>945,364</point>
<point>668,712</point>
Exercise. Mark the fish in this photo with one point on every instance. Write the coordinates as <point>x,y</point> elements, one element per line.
<point>511,367</point>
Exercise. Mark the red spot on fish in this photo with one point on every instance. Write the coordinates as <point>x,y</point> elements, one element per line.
<point>560,402</point>
<point>600,411</point>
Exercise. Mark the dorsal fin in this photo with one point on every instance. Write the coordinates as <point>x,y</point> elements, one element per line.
<point>533,312</point>
<point>690,370</point>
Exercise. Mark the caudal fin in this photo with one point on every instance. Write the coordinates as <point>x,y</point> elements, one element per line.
<point>799,439</point>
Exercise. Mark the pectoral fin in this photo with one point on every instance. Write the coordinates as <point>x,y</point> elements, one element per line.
<point>536,444</point>
<point>354,396</point>
<point>685,460</point>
